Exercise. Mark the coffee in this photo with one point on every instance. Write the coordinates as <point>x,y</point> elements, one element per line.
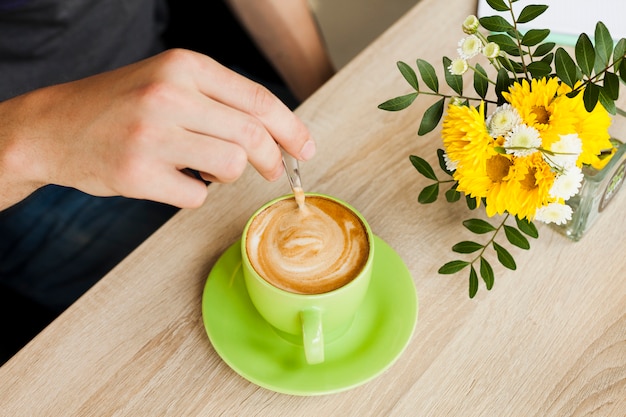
<point>310,250</point>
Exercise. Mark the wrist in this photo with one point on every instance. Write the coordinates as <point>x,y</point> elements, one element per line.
<point>18,166</point>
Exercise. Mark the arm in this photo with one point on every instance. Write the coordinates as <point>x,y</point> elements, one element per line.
<point>289,37</point>
<point>134,130</point>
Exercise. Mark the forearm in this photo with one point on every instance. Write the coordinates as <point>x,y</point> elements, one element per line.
<point>288,35</point>
<point>133,132</point>
<point>18,156</point>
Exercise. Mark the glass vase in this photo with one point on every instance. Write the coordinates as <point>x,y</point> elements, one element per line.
<point>598,189</point>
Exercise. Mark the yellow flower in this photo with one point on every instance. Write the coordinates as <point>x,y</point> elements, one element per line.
<point>500,169</point>
<point>592,128</point>
<point>465,135</point>
<point>484,179</point>
<point>520,183</point>
<point>515,185</point>
<point>602,162</point>
<point>531,186</point>
<point>541,106</point>
<point>544,105</point>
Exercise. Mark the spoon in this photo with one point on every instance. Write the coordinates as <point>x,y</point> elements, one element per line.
<point>292,169</point>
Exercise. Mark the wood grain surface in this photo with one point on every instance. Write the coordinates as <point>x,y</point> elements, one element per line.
<point>548,340</point>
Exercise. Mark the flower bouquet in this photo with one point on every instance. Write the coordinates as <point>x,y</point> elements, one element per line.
<point>519,144</point>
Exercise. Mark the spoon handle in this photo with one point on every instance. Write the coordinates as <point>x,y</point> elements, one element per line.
<point>292,168</point>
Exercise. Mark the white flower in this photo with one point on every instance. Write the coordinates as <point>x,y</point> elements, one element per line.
<point>565,152</point>
<point>567,184</point>
<point>458,101</point>
<point>556,213</point>
<point>522,140</point>
<point>458,66</point>
<point>470,24</point>
<point>491,50</point>
<point>450,164</point>
<point>469,47</point>
<point>503,120</point>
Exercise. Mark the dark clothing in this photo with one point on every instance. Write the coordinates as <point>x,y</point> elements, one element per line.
<point>44,42</point>
<point>58,242</point>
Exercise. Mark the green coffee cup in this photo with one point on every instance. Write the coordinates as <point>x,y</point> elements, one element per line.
<point>307,272</point>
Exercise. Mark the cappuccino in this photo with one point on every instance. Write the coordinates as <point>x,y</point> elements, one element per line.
<point>314,249</point>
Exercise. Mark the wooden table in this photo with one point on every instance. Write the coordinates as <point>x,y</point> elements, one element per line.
<point>548,340</point>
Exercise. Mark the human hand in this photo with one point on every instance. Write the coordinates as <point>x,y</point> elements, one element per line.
<point>133,131</point>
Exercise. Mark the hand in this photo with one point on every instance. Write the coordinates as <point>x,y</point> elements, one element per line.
<point>133,131</point>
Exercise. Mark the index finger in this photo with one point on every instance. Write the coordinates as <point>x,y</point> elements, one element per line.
<point>239,92</point>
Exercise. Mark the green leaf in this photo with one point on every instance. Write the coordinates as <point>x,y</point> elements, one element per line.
<point>527,227</point>
<point>478,226</point>
<point>507,64</point>
<point>585,54</point>
<point>604,46</point>
<point>408,74</point>
<point>481,84</point>
<point>431,117</point>
<point>504,256</point>
<point>503,82</point>
<point>530,12</point>
<point>454,81</point>
<point>473,282</point>
<point>452,195</point>
<point>423,167</point>
<point>398,103</point>
<point>548,59</point>
<point>429,194</point>
<point>590,96</point>
<point>471,202</point>
<point>514,33</point>
<point>427,71</point>
<point>453,267</point>
<point>495,23</point>
<point>467,247</point>
<point>515,237</point>
<point>544,48</point>
<point>622,70</point>
<point>442,161</point>
<point>607,102</point>
<point>498,5</point>
<point>619,52</point>
<point>534,36</point>
<point>611,85</point>
<point>486,272</point>
<point>565,67</point>
<point>506,43</point>
<point>539,69</point>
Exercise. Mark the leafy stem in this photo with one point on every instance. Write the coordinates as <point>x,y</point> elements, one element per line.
<point>518,40</point>
<point>514,235</point>
<point>493,237</point>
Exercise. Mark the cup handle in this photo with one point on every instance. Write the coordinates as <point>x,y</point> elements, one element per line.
<point>312,335</point>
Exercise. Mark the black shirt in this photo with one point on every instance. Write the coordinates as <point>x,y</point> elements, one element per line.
<point>44,42</point>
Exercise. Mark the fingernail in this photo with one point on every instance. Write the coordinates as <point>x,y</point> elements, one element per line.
<point>308,150</point>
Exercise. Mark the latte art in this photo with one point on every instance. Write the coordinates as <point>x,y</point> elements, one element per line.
<point>311,250</point>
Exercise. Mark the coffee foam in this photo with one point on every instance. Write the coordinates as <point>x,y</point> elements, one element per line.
<point>312,250</point>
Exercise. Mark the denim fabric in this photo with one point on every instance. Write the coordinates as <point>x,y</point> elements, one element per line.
<point>58,242</point>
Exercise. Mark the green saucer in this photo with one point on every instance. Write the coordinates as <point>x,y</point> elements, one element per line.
<point>380,332</point>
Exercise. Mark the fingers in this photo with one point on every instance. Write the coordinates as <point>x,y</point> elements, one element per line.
<point>218,160</point>
<point>237,92</point>
<point>161,173</point>
<point>181,190</point>
<point>176,188</point>
<point>148,122</point>
<point>247,136</point>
